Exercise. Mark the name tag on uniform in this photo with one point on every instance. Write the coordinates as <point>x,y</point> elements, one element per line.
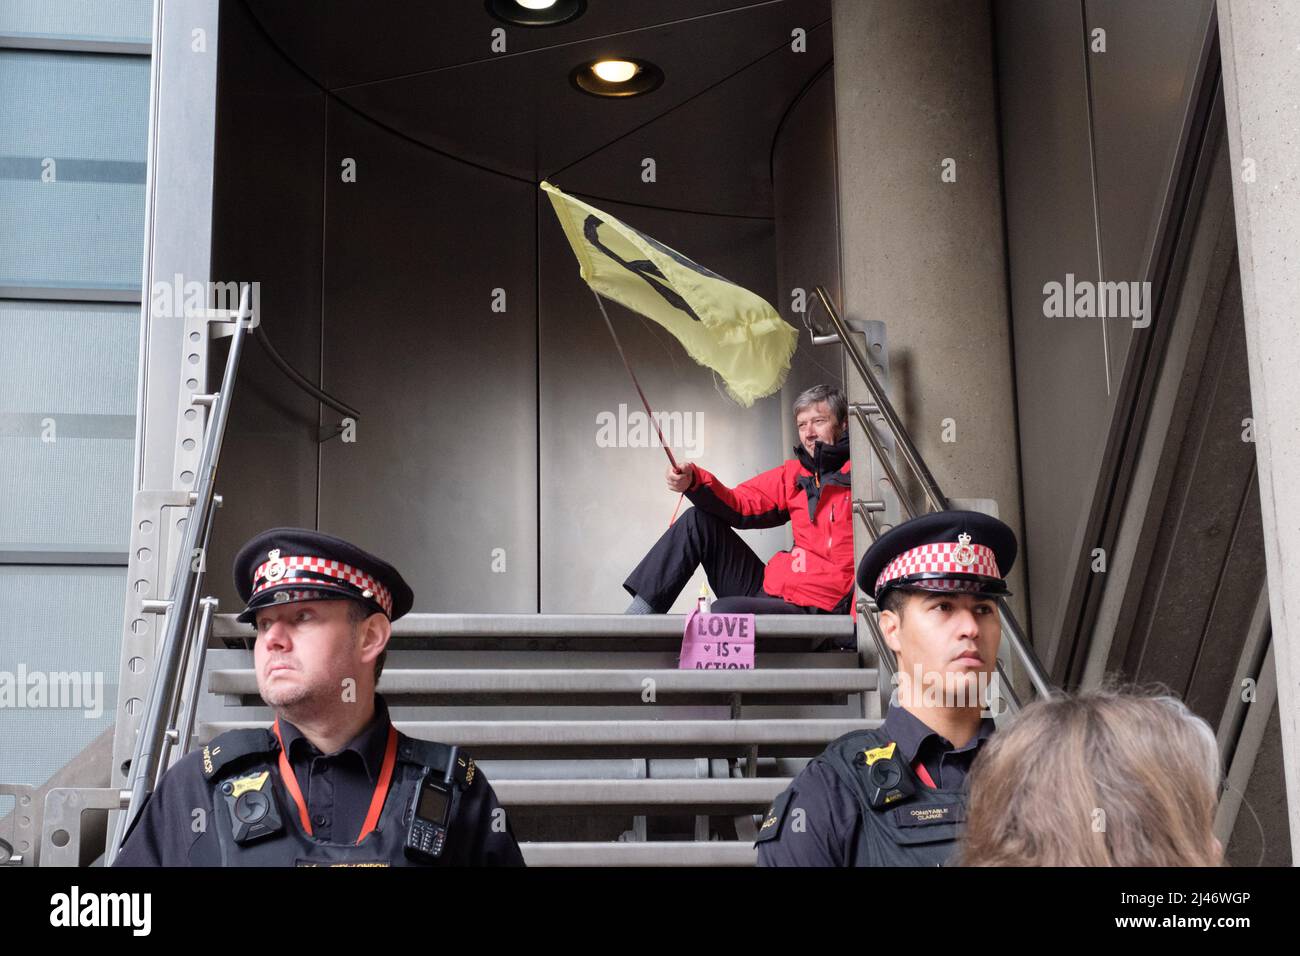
<point>718,642</point>
<point>364,863</point>
<point>929,814</point>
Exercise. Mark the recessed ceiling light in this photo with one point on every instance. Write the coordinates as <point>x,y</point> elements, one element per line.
<point>536,13</point>
<point>616,77</point>
<point>615,71</point>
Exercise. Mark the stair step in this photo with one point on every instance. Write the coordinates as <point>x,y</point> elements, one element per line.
<point>620,795</point>
<point>517,657</point>
<point>666,853</point>
<point>243,681</point>
<point>474,735</point>
<point>597,626</point>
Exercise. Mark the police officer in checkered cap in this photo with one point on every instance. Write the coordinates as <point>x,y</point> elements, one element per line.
<point>895,796</point>
<point>332,782</point>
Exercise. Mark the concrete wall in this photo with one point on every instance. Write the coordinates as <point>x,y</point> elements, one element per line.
<point>807,234</point>
<point>807,230</point>
<point>1260,74</point>
<point>914,88</point>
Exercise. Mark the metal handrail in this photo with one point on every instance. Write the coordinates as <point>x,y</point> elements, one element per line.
<point>198,652</point>
<point>929,487</point>
<point>886,460</point>
<point>295,376</point>
<point>160,700</point>
<point>1019,644</point>
<point>181,689</point>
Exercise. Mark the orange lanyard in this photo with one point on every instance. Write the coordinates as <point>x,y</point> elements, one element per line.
<point>376,801</point>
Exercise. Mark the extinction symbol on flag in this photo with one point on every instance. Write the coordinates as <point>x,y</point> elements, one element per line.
<point>722,326</point>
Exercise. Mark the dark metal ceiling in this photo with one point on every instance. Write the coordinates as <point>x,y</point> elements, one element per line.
<point>426,71</point>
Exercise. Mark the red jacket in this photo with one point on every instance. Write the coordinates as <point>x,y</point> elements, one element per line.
<point>818,570</point>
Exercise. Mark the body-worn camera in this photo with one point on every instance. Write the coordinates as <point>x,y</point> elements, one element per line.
<point>431,812</point>
<point>253,813</point>
<point>888,778</point>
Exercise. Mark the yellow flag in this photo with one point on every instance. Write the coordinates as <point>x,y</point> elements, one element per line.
<point>723,326</point>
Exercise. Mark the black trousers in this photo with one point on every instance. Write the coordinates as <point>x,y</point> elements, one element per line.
<point>734,571</point>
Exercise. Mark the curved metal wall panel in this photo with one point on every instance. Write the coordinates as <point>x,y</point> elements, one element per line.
<point>441,477</point>
<point>267,220</point>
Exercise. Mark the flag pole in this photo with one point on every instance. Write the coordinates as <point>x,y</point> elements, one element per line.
<point>627,365</point>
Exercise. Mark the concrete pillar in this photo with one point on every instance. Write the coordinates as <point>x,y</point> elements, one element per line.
<point>921,234</point>
<point>1261,73</point>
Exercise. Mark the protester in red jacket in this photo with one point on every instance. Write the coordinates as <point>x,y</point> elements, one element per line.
<point>811,491</point>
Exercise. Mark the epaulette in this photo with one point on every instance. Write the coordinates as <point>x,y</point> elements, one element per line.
<point>235,745</point>
<point>770,828</point>
<point>435,756</point>
<point>863,737</point>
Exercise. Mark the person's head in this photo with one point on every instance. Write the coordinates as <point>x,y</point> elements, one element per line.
<point>945,644</point>
<point>1102,778</point>
<point>821,413</point>
<point>937,579</point>
<point>306,652</point>
<point>323,610</point>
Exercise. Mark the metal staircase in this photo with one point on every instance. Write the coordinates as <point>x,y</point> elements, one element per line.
<point>601,750</point>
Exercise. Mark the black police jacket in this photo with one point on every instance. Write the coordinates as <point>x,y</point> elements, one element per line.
<point>918,830</point>
<point>188,820</point>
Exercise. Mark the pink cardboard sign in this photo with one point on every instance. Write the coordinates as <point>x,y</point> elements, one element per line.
<point>718,642</point>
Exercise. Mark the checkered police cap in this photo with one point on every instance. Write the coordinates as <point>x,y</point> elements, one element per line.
<point>964,551</point>
<point>288,565</point>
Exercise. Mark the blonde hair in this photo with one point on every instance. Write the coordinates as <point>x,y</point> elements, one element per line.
<point>1102,778</point>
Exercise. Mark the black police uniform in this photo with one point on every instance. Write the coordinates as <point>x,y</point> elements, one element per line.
<point>894,796</point>
<point>824,818</point>
<point>229,805</point>
<point>188,819</point>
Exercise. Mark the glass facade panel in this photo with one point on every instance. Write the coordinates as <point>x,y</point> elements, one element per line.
<point>73,135</point>
<point>121,20</point>
<point>60,630</point>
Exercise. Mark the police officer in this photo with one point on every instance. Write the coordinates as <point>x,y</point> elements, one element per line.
<point>332,782</point>
<point>894,796</point>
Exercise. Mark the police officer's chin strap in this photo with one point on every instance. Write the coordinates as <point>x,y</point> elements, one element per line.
<point>376,800</point>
